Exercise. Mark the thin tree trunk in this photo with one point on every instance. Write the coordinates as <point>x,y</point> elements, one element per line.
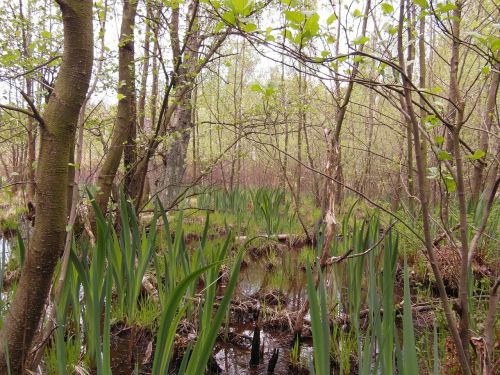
<point>456,114</point>
<point>31,126</point>
<point>57,136</point>
<point>368,158</point>
<point>423,83</point>
<point>453,97</point>
<point>185,72</point>
<point>332,169</point>
<point>126,117</point>
<point>485,129</point>
<point>141,104</point>
<point>421,174</point>
<point>236,105</point>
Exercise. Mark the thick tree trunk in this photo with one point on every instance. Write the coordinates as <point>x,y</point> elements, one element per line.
<point>124,128</point>
<point>57,137</point>
<point>174,157</point>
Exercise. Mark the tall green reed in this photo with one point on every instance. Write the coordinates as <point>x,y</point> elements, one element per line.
<point>370,282</point>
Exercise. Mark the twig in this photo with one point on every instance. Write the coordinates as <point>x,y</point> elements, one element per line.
<point>348,255</point>
<point>36,114</point>
<point>35,68</point>
<point>16,109</point>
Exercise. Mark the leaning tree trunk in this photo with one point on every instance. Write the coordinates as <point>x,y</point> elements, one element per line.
<point>126,116</point>
<point>56,139</point>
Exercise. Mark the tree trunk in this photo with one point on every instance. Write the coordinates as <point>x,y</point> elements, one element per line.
<point>179,123</point>
<point>31,125</point>
<point>423,83</point>
<point>126,116</point>
<point>57,137</point>
<point>333,169</point>
<point>426,218</point>
<point>301,125</point>
<point>489,113</point>
<point>141,104</point>
<point>175,155</point>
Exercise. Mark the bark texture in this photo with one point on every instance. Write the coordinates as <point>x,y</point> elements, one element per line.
<point>125,125</point>
<point>174,156</point>
<point>56,139</point>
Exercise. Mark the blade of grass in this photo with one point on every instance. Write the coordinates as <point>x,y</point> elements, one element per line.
<point>409,347</point>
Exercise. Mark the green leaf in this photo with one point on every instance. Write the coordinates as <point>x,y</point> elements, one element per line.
<point>478,154</point>
<point>45,34</point>
<point>431,122</point>
<point>168,321</point>
<point>361,40</point>
<point>445,8</point>
<point>120,96</point>
<point>439,140</point>
<point>269,91</point>
<point>229,17</point>
<point>249,27</point>
<point>444,155</point>
<point>485,70</point>
<point>433,173</point>
<point>422,3</point>
<point>219,26</point>
<point>294,16</point>
<point>311,26</point>
<point>240,7</point>
<point>357,13</point>
<point>451,186</point>
<point>331,19</point>
<point>436,351</point>
<point>256,87</point>
<point>387,8</point>
<point>392,30</point>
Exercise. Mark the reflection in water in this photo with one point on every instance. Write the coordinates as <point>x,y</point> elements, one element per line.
<point>284,276</point>
<point>235,359</point>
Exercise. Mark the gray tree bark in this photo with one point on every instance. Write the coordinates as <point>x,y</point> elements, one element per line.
<point>170,182</point>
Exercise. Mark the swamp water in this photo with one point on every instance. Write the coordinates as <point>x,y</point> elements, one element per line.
<point>265,284</point>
